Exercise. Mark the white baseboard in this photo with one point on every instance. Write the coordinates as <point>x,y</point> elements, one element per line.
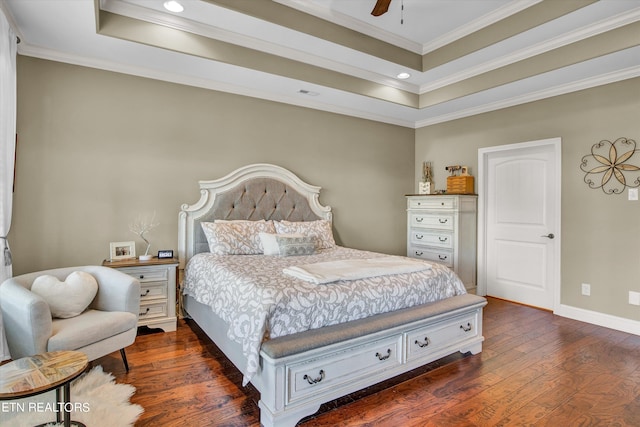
<point>600,319</point>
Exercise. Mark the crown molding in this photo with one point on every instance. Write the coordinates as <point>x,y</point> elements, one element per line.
<point>577,35</point>
<point>478,24</point>
<point>158,18</point>
<point>301,101</point>
<point>563,89</point>
<point>612,77</point>
<point>354,24</point>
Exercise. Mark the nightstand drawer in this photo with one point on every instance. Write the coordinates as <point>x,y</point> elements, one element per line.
<point>147,274</point>
<point>149,311</point>
<point>153,290</point>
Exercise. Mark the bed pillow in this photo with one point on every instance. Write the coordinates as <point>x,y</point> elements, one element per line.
<point>270,244</point>
<point>320,230</point>
<point>69,298</point>
<point>288,244</point>
<point>236,237</point>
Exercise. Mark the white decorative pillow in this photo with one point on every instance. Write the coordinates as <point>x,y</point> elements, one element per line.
<point>270,242</point>
<point>69,298</point>
<point>236,237</point>
<point>320,229</point>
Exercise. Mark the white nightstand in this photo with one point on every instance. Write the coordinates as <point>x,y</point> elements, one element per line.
<point>158,280</point>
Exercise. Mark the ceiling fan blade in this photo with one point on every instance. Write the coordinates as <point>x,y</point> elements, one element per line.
<point>381,7</point>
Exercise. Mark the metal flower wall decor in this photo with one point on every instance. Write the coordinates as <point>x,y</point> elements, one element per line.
<point>608,167</point>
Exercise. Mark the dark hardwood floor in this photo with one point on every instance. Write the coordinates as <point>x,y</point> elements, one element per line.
<point>536,369</point>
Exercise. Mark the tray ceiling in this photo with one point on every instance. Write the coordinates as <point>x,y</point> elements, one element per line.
<point>464,57</point>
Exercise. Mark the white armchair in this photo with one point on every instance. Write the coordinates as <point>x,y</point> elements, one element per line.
<point>109,324</point>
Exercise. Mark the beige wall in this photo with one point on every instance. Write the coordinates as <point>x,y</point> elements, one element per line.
<point>96,149</point>
<point>600,233</point>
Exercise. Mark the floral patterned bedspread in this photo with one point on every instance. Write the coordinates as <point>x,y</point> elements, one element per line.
<point>259,301</point>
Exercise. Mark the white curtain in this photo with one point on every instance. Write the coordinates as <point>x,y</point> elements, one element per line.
<point>8,47</point>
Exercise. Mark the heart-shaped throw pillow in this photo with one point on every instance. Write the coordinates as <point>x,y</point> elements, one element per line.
<point>69,298</point>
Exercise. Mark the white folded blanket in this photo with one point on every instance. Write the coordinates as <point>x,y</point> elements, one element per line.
<point>352,269</point>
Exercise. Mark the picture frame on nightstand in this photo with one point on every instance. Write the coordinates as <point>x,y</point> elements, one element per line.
<point>122,250</point>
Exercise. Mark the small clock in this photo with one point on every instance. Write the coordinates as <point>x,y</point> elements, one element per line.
<point>165,254</point>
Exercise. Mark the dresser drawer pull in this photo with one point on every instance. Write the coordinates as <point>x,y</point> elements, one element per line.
<point>443,220</point>
<point>420,219</point>
<point>467,328</point>
<point>145,313</point>
<point>423,344</point>
<point>419,236</point>
<point>442,257</point>
<point>146,293</point>
<point>443,239</point>
<point>419,253</point>
<point>384,357</point>
<point>314,380</point>
<point>142,276</point>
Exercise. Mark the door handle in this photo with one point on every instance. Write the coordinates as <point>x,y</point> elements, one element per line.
<point>549,236</point>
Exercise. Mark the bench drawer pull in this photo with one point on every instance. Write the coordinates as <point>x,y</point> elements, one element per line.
<point>314,380</point>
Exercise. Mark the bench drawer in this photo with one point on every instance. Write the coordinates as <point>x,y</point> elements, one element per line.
<point>440,335</point>
<point>341,367</point>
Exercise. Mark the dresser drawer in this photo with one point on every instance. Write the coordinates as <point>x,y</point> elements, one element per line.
<point>432,203</point>
<point>333,370</point>
<point>153,290</point>
<point>442,256</point>
<point>147,274</point>
<point>430,238</point>
<point>443,222</point>
<point>438,336</point>
<point>152,310</point>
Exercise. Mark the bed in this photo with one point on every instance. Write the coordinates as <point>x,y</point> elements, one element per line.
<point>298,329</point>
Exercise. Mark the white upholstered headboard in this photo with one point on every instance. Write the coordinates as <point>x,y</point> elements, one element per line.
<point>254,192</point>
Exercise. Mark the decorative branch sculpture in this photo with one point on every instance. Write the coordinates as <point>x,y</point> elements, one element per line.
<point>142,225</point>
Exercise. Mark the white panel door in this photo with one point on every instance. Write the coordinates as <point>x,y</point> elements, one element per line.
<point>521,220</point>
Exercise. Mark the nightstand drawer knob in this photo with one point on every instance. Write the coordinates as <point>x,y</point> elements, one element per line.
<point>143,314</point>
<point>145,294</point>
<point>142,276</point>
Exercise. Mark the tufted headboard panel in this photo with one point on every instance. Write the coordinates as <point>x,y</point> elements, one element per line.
<point>256,199</point>
<point>254,192</point>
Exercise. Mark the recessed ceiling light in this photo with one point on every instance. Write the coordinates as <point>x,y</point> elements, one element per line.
<point>403,76</point>
<point>173,6</point>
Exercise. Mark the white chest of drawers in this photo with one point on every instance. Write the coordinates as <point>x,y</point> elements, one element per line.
<point>442,228</point>
<point>157,279</point>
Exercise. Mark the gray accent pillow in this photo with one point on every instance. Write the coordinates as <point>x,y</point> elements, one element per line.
<point>295,246</point>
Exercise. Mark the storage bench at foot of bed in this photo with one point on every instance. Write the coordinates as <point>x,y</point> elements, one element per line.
<point>300,372</point>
